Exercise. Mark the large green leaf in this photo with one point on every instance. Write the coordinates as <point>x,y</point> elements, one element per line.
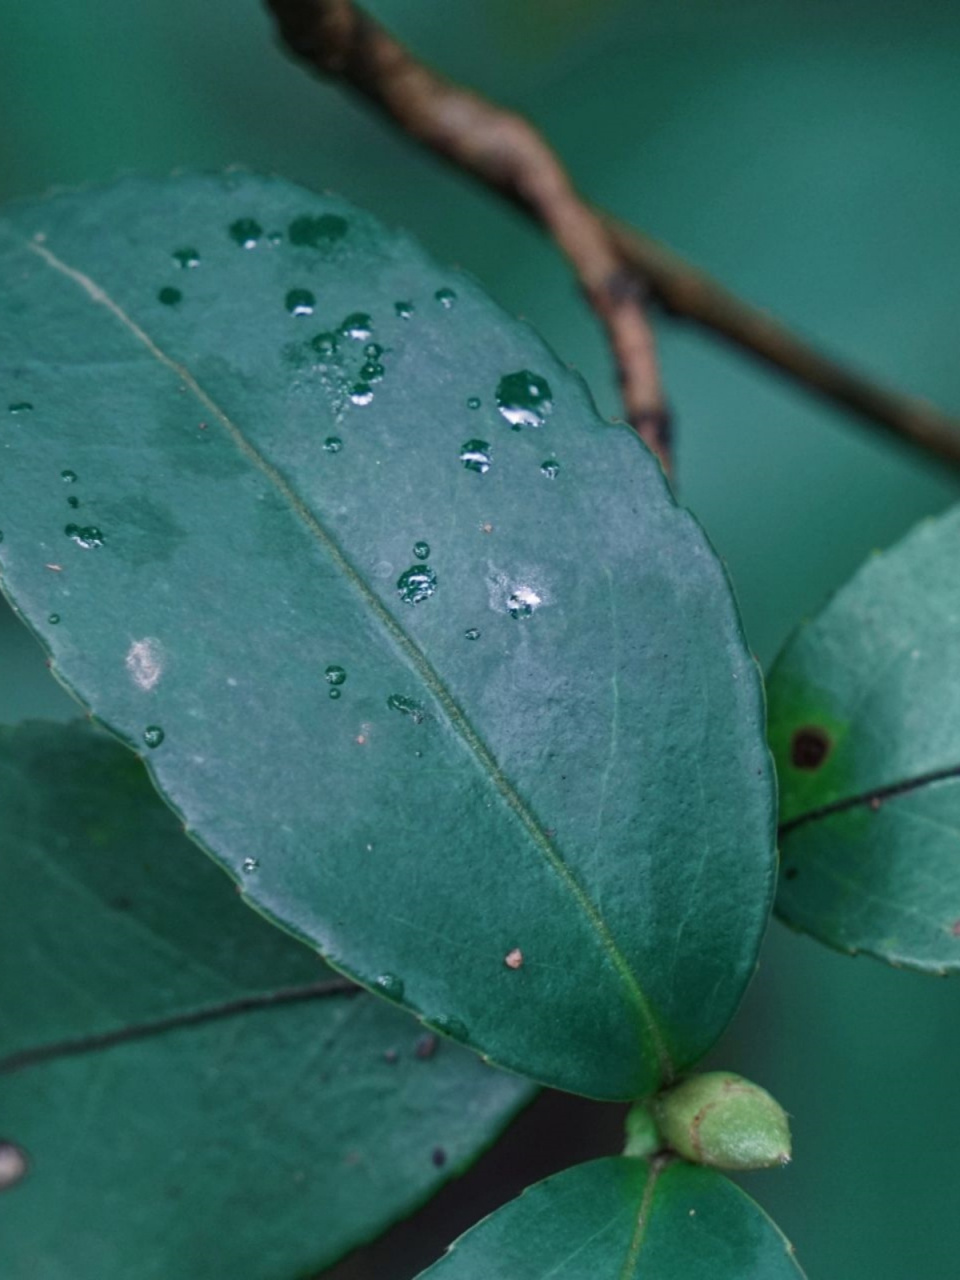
<point>548,742</point>
<point>195,1092</point>
<point>865,726</point>
<point>624,1219</point>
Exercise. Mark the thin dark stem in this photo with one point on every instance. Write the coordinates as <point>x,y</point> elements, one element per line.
<point>617,266</point>
<point>142,1030</point>
<point>504,152</point>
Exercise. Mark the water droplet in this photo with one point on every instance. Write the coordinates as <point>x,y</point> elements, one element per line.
<point>325,345</point>
<point>73,501</point>
<point>473,402</point>
<point>389,985</point>
<point>186,258</point>
<point>249,865</point>
<point>404,309</point>
<point>451,1027</point>
<point>20,406</point>
<point>86,536</point>
<point>475,455</point>
<point>246,232</point>
<point>446,298</point>
<point>53,619</point>
<point>357,325</point>
<point>472,633</point>
<point>371,371</point>
<point>170,297</point>
<point>334,694</point>
<point>524,399</point>
<point>68,476</point>
<point>300,302</point>
<point>361,393</point>
<point>421,550</point>
<point>373,350</point>
<point>522,602</point>
<point>550,468</point>
<point>335,675</point>
<point>416,584</point>
<point>153,735</point>
<point>13,1165</point>
<point>408,706</point>
<point>275,238</point>
<point>333,444</point>
<point>318,232</point>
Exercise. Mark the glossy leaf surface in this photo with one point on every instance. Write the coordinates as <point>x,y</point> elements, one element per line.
<point>865,725</point>
<point>624,1219</point>
<point>192,1093</point>
<point>300,462</point>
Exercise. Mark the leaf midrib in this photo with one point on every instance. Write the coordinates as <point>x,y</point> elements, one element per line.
<point>431,678</point>
<point>865,798</point>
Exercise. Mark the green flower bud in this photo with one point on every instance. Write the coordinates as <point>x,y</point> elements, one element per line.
<point>723,1120</point>
<point>643,1137</point>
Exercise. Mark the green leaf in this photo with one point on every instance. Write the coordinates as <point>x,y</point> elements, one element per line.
<point>624,1219</point>
<point>193,1092</point>
<point>540,812</point>
<point>865,727</point>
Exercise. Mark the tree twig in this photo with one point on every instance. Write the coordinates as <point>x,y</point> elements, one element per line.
<point>505,152</point>
<point>617,266</point>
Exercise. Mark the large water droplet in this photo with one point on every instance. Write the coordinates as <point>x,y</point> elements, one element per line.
<point>446,298</point>
<point>170,296</point>
<point>403,309</point>
<point>475,455</point>
<point>361,393</point>
<point>20,406</point>
<point>333,444</point>
<point>389,985</point>
<point>421,550</point>
<point>550,468</point>
<point>523,602</point>
<point>318,232</point>
<point>153,735</point>
<point>186,258</point>
<point>473,402</point>
<point>73,501</point>
<point>371,371</point>
<point>416,584</point>
<point>408,706</point>
<point>300,302</point>
<point>524,399</point>
<point>246,232</point>
<point>53,619</point>
<point>249,865</point>
<point>357,325</point>
<point>472,633</point>
<point>335,675</point>
<point>68,476</point>
<point>87,536</point>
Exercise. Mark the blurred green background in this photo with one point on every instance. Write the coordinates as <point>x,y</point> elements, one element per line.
<point>804,151</point>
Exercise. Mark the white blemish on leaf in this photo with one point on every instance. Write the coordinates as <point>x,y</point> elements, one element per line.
<point>144,661</point>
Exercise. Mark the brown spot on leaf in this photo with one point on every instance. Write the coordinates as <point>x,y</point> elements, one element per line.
<point>513,959</point>
<point>809,747</point>
<point>956,929</point>
<point>426,1046</point>
<point>439,1157</point>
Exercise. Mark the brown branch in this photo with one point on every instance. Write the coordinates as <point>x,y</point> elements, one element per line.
<point>616,265</point>
<point>505,152</point>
